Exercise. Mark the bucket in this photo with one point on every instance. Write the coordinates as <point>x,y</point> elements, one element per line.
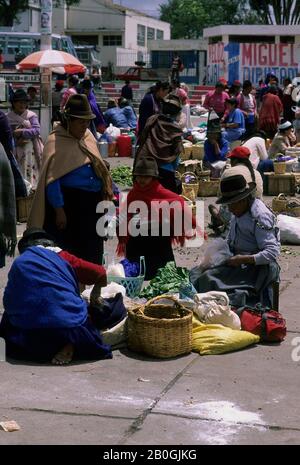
<point>112,149</point>
<point>103,149</point>
<point>124,145</point>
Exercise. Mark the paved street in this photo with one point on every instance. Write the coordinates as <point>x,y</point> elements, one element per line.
<point>245,397</point>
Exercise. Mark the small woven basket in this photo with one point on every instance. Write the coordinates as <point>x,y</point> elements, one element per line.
<point>198,152</point>
<point>187,152</point>
<point>209,188</point>
<point>160,330</point>
<point>279,167</point>
<point>279,203</point>
<point>23,207</point>
<point>190,189</point>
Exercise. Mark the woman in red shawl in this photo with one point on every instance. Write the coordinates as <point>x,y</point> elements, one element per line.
<point>269,115</point>
<point>172,225</point>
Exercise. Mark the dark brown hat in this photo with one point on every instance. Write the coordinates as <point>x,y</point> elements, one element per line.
<point>235,188</point>
<point>146,166</point>
<point>20,96</point>
<point>78,106</point>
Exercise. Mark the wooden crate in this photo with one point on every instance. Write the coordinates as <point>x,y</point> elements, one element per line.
<point>23,208</point>
<point>281,183</point>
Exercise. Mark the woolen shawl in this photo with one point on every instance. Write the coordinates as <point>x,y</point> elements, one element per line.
<point>63,154</point>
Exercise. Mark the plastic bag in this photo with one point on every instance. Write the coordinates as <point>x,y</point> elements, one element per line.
<point>213,307</point>
<point>289,229</point>
<point>113,132</point>
<point>216,253</point>
<point>217,339</point>
<point>116,269</point>
<point>106,292</point>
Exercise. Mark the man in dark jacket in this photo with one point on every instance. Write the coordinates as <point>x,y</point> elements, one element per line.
<point>126,91</point>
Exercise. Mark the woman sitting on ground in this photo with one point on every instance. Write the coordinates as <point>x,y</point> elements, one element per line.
<point>240,164</point>
<point>259,158</point>
<point>45,319</point>
<point>234,121</point>
<point>284,139</point>
<point>254,242</point>
<point>216,148</point>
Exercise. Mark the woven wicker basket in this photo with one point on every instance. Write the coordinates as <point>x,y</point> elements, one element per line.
<point>187,152</point>
<point>279,203</point>
<point>160,330</point>
<point>209,188</point>
<point>23,207</point>
<point>293,208</point>
<point>190,189</point>
<point>279,167</point>
<point>198,152</point>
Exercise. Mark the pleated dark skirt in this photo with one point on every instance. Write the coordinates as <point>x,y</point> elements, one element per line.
<point>156,250</point>
<point>80,237</point>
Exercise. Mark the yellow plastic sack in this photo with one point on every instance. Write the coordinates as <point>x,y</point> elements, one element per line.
<point>217,339</point>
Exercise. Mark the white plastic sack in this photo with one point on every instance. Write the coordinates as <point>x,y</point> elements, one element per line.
<point>213,308</point>
<point>216,253</point>
<point>289,229</point>
<point>113,132</point>
<point>116,269</point>
<point>108,291</point>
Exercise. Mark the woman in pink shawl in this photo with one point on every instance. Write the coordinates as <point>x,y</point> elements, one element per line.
<point>26,131</point>
<point>269,115</point>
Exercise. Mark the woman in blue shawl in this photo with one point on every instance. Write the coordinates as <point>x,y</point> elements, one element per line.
<point>45,319</point>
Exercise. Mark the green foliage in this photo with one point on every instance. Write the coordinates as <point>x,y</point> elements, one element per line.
<point>122,175</point>
<point>10,9</point>
<point>167,280</point>
<point>188,18</point>
<point>277,11</point>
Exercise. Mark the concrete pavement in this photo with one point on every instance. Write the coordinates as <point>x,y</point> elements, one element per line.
<point>246,397</point>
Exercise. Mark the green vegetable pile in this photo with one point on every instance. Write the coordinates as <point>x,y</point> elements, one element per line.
<point>122,175</point>
<point>167,280</point>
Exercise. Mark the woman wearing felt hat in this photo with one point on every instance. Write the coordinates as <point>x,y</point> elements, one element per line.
<point>74,179</point>
<point>253,240</point>
<point>284,139</point>
<point>216,148</point>
<point>26,131</point>
<point>155,247</point>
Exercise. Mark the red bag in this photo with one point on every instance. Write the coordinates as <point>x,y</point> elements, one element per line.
<point>268,324</point>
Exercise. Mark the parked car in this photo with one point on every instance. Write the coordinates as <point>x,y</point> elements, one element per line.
<point>138,73</point>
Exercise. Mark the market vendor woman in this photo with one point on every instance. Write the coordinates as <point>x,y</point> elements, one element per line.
<point>45,319</point>
<point>254,241</point>
<point>157,249</point>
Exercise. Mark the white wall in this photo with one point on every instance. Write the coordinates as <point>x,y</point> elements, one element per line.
<point>90,15</point>
<point>132,20</point>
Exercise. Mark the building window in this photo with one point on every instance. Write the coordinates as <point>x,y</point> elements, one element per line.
<point>159,34</point>
<point>112,40</point>
<point>141,34</point>
<point>150,33</point>
<point>287,39</point>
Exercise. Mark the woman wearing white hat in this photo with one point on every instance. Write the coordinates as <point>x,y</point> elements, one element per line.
<point>284,139</point>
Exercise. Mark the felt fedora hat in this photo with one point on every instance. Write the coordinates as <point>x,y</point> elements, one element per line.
<point>33,234</point>
<point>78,106</point>
<point>234,188</point>
<point>146,166</point>
<point>20,96</point>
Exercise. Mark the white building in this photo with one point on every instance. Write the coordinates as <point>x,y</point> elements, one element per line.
<point>29,20</point>
<point>121,34</point>
<point>251,52</point>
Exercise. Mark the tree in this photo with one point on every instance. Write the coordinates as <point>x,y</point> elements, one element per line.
<point>10,9</point>
<point>188,18</point>
<point>278,11</point>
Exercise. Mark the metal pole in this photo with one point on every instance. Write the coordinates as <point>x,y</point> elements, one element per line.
<point>46,44</point>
